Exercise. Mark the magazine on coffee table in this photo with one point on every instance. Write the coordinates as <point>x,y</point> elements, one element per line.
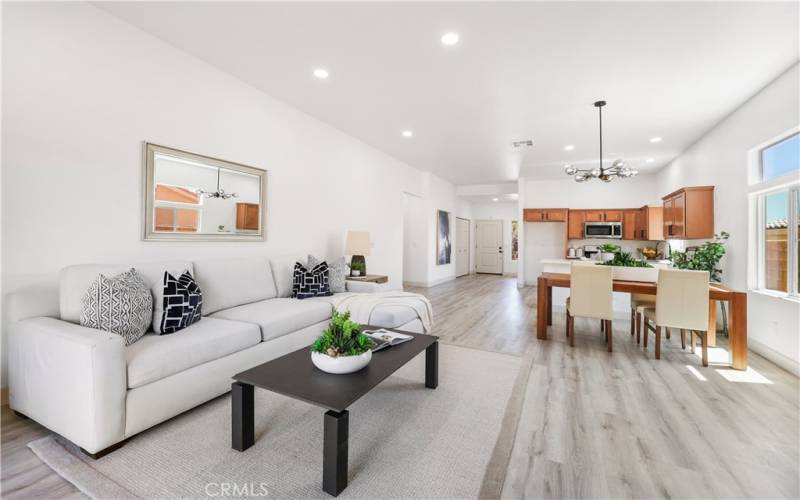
<point>385,338</point>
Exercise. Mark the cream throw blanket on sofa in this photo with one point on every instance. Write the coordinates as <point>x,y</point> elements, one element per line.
<point>362,305</point>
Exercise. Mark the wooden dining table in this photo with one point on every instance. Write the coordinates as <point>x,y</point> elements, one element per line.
<point>737,307</point>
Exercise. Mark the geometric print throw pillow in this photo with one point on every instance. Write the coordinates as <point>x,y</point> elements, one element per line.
<point>310,283</point>
<point>181,302</point>
<point>122,305</point>
<point>337,273</point>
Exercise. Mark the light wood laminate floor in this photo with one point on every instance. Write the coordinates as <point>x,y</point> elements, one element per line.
<point>581,423</point>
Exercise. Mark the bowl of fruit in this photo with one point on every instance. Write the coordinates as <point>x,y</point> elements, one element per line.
<point>649,253</point>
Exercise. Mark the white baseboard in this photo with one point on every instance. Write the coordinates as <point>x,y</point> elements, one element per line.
<point>430,283</point>
<point>774,356</point>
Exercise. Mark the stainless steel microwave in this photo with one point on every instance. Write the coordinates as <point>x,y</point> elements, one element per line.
<point>602,230</point>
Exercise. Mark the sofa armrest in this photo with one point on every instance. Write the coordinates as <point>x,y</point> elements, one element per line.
<point>69,378</point>
<point>362,286</point>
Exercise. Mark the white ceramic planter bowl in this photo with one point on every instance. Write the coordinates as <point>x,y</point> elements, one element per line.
<point>341,364</point>
<point>648,274</point>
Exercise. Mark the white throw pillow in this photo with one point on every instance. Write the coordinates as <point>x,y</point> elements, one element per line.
<point>337,272</point>
<point>122,305</point>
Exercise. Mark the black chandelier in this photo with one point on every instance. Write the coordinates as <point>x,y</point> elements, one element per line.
<point>618,169</point>
<point>219,193</point>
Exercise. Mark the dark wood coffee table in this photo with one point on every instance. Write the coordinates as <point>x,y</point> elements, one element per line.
<point>295,376</point>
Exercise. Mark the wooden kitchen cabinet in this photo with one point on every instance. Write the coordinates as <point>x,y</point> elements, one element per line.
<point>603,215</point>
<point>689,213</point>
<point>545,214</point>
<point>650,223</point>
<point>594,215</point>
<point>629,224</point>
<point>575,220</point>
<point>247,215</point>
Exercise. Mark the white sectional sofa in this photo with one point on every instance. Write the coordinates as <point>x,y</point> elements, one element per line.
<point>86,385</point>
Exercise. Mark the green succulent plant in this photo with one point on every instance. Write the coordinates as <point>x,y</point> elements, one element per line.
<point>625,259</point>
<point>358,266</point>
<point>342,337</point>
<point>609,248</point>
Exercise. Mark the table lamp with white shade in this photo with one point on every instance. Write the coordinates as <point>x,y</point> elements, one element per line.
<point>357,245</point>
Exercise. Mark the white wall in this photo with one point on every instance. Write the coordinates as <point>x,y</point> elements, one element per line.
<point>82,90</point>
<point>505,211</point>
<point>720,158</point>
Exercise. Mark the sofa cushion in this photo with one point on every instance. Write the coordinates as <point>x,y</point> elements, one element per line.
<point>232,282</point>
<point>282,271</point>
<point>278,317</point>
<point>154,357</point>
<point>74,281</point>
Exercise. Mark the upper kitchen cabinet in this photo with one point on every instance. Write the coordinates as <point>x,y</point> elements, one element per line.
<point>603,215</point>
<point>650,223</point>
<point>575,221</point>
<point>545,214</point>
<point>629,231</point>
<point>689,213</point>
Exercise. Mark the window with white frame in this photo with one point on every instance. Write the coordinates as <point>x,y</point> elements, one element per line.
<point>777,208</point>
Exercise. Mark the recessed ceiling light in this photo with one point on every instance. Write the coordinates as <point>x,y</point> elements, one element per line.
<point>450,38</point>
<point>321,73</point>
<point>655,139</point>
<point>650,160</point>
<point>495,199</point>
<point>569,147</point>
<point>408,133</point>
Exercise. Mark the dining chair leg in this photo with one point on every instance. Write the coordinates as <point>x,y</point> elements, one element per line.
<point>572,331</point>
<point>683,339</point>
<point>566,324</point>
<point>658,342</point>
<point>602,326</point>
<point>645,333</point>
<point>609,334</point>
<point>633,321</point>
<point>704,340</point>
<point>668,332</point>
<point>638,328</point>
<point>691,340</point>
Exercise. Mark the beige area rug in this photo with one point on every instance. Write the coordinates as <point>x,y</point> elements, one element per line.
<point>406,441</point>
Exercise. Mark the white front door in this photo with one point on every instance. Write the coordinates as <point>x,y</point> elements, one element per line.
<point>489,255</point>
<point>462,247</point>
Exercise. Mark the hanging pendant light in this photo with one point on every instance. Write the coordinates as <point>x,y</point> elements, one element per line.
<point>219,193</point>
<point>618,168</point>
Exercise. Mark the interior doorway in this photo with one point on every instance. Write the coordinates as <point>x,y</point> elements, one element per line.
<point>414,241</point>
<point>489,246</point>
<point>462,247</point>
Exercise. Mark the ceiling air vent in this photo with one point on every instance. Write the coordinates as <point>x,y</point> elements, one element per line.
<point>519,144</point>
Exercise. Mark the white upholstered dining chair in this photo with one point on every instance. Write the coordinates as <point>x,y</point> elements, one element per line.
<point>639,302</point>
<point>681,302</point>
<point>590,296</point>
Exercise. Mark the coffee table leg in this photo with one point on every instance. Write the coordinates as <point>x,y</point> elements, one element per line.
<point>334,455</point>
<point>242,416</point>
<point>432,366</point>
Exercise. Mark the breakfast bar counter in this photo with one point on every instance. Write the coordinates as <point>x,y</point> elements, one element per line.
<point>737,302</point>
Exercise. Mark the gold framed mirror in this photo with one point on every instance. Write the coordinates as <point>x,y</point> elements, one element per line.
<point>188,196</point>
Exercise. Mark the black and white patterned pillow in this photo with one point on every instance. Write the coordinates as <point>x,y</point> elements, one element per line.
<point>122,305</point>
<point>337,273</point>
<point>182,303</point>
<point>310,283</point>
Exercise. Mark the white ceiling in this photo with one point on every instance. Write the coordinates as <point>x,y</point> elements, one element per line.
<point>520,71</point>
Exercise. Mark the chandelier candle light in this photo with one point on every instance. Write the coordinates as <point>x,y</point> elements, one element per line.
<point>618,169</point>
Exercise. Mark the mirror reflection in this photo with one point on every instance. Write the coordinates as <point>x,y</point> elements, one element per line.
<point>194,196</point>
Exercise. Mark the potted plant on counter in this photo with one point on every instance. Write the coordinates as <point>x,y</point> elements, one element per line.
<point>342,347</point>
<point>607,251</point>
